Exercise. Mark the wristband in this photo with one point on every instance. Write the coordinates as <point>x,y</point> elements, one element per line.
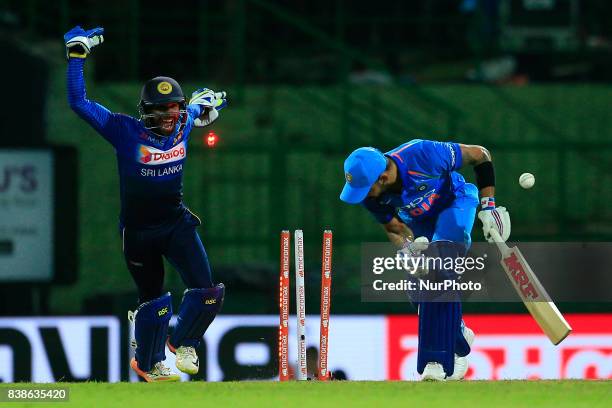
<point>485,175</point>
<point>487,203</point>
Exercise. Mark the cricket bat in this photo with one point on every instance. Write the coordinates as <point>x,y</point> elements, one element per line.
<point>532,293</point>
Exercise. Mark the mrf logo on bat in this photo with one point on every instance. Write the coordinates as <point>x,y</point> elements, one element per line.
<point>520,277</point>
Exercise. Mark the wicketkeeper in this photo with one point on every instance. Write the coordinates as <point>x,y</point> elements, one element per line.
<point>415,191</point>
<point>151,152</point>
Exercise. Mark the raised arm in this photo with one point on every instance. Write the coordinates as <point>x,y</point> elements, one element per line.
<point>78,46</point>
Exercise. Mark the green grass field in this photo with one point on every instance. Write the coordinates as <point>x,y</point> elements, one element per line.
<point>471,394</point>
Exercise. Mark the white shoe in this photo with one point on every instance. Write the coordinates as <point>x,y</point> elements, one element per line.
<point>433,372</point>
<point>159,372</point>
<point>461,363</point>
<point>186,359</point>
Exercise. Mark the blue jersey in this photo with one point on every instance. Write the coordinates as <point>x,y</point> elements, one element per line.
<point>429,182</point>
<point>150,167</point>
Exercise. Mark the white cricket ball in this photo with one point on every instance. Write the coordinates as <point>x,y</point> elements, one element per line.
<point>527,180</point>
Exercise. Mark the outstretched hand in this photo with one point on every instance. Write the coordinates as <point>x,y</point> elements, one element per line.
<point>211,102</point>
<point>79,42</point>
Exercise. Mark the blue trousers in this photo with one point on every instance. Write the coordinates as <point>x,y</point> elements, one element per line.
<point>440,324</point>
<point>179,243</point>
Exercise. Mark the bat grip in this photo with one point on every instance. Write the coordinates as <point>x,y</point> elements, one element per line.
<point>501,245</point>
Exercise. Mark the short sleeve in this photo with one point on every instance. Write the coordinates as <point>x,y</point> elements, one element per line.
<point>440,157</point>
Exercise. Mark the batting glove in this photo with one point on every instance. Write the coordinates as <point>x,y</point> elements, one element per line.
<point>79,42</point>
<point>413,249</point>
<point>496,218</point>
<point>212,102</point>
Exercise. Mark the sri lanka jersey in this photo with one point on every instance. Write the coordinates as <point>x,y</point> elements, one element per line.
<point>150,167</point>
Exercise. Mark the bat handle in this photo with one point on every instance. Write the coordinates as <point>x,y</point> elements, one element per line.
<point>501,245</point>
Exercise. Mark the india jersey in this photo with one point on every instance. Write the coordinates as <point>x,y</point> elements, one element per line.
<point>429,181</point>
<point>150,167</point>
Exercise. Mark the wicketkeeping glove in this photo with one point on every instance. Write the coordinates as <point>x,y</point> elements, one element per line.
<point>497,218</point>
<point>212,102</point>
<point>79,42</point>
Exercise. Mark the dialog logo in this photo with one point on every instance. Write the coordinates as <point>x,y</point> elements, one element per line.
<point>151,156</point>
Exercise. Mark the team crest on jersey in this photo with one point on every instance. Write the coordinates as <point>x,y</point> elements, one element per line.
<point>164,88</point>
<point>151,156</point>
<point>178,138</point>
<point>422,187</point>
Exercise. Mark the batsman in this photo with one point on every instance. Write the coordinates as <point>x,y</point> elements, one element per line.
<point>154,222</point>
<point>415,191</point>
